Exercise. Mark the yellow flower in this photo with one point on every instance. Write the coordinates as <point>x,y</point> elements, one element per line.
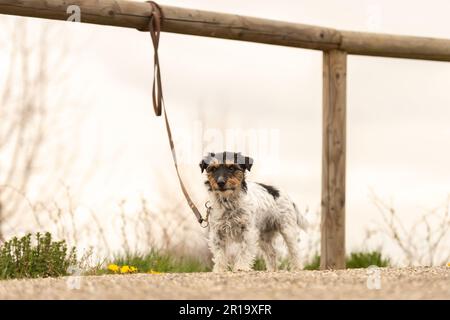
<point>448,264</point>
<point>133,269</point>
<point>124,269</point>
<point>153,272</point>
<point>113,267</point>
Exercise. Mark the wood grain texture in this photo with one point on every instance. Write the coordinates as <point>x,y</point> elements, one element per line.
<point>130,14</point>
<point>395,46</point>
<point>134,14</point>
<point>231,26</point>
<point>333,160</point>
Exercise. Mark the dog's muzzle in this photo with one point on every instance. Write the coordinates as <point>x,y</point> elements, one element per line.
<point>221,182</point>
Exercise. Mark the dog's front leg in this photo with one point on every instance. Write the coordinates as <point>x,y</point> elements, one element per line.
<point>217,247</point>
<point>247,251</point>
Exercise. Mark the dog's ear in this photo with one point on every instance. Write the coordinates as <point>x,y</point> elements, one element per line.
<point>206,161</point>
<point>245,163</point>
<point>203,165</point>
<point>248,163</point>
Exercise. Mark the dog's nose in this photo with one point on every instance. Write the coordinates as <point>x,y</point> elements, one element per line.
<point>221,182</point>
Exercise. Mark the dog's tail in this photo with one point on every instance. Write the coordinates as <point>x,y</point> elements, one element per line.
<point>302,222</point>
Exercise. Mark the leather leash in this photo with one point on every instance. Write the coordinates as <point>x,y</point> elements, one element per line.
<point>159,106</point>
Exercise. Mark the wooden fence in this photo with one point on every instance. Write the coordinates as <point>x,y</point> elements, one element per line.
<point>335,44</point>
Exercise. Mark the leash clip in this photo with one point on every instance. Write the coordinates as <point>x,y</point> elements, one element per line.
<point>208,211</point>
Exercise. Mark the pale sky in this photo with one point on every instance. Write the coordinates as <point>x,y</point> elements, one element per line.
<point>398,110</point>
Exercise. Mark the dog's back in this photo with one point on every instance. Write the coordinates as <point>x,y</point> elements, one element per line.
<point>272,207</point>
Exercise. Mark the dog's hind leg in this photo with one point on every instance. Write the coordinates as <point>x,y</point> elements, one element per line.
<point>290,236</point>
<point>268,251</point>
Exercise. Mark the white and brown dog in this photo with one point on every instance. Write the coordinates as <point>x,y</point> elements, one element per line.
<point>248,214</point>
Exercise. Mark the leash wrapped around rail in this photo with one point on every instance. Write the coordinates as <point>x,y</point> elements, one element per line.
<point>158,102</point>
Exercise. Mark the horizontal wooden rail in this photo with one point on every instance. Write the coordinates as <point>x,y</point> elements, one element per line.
<point>134,14</point>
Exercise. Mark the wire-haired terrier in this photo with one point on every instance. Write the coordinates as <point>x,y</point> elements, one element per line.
<point>248,214</point>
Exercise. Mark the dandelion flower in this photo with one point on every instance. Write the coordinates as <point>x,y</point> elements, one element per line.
<point>133,269</point>
<point>113,267</point>
<point>124,269</point>
<point>153,272</point>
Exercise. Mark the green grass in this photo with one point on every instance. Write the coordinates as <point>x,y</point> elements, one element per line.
<point>32,258</point>
<point>260,265</point>
<point>40,256</point>
<point>165,262</point>
<point>355,260</point>
<point>366,259</point>
<point>158,261</point>
<point>314,264</point>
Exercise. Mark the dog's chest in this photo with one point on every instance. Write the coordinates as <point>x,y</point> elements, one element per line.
<point>230,224</point>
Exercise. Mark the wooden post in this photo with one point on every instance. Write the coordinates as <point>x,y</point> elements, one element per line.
<point>333,160</point>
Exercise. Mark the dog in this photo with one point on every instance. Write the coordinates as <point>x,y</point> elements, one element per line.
<point>248,214</point>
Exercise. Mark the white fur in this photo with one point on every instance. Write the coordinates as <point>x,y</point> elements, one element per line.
<point>251,219</point>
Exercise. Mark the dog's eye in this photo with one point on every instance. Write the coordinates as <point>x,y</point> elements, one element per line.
<point>211,169</point>
<point>231,169</point>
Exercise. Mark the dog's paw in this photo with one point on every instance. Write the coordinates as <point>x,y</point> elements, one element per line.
<point>242,268</point>
<point>271,269</point>
<point>296,268</point>
<point>218,269</point>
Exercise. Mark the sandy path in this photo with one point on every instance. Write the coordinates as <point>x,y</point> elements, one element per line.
<point>405,283</point>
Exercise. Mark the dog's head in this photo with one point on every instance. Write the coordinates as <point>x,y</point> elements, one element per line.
<point>226,171</point>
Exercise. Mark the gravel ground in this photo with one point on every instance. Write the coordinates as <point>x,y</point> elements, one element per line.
<point>404,283</point>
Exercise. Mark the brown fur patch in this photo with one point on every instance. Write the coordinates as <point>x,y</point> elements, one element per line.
<point>213,166</point>
<point>212,181</point>
<point>233,182</point>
